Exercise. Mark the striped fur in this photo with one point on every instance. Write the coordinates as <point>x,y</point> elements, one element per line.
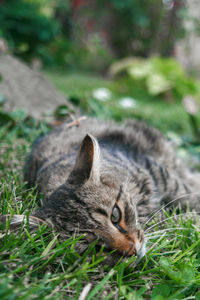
<point>85,171</point>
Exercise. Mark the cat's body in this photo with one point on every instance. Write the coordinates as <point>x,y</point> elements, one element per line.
<point>102,179</point>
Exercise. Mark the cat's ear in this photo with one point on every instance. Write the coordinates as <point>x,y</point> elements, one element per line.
<point>87,162</point>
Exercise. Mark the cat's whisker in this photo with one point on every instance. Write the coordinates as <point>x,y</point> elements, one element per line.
<point>175,235</point>
<point>168,229</point>
<point>173,217</point>
<point>196,228</point>
<point>83,229</point>
<point>82,232</point>
<point>166,205</point>
<point>126,182</point>
<point>157,242</point>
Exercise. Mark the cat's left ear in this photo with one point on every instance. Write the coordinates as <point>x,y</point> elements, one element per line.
<point>87,162</point>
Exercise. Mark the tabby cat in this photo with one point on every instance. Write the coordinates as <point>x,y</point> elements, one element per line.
<point>102,180</point>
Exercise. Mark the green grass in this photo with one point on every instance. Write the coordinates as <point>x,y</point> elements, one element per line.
<point>37,265</point>
<point>154,110</point>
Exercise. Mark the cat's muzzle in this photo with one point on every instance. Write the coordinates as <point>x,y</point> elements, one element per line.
<point>140,250</point>
<point>125,245</point>
<point>129,244</point>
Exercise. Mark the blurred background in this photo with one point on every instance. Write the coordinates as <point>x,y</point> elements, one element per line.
<point>113,59</point>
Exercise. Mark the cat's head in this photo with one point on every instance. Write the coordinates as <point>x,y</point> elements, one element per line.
<point>96,202</point>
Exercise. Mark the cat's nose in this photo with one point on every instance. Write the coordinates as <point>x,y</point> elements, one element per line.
<point>136,241</point>
<point>131,250</point>
<point>136,249</point>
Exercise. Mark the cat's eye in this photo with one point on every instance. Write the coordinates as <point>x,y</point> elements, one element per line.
<point>116,215</point>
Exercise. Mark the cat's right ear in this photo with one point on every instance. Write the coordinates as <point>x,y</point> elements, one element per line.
<point>87,162</point>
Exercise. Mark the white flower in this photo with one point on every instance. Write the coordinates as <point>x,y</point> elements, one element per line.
<point>102,94</point>
<point>128,102</point>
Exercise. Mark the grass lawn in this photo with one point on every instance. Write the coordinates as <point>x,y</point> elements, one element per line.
<point>166,116</point>
<point>38,266</point>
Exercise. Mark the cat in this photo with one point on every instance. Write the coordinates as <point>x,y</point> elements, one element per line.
<point>103,180</point>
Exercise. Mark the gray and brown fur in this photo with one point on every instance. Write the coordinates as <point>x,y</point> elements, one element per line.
<point>85,171</point>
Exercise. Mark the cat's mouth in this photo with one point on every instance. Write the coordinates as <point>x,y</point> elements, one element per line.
<point>112,257</point>
<point>129,248</point>
<point>138,249</point>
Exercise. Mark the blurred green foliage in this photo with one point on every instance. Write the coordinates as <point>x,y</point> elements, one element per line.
<point>159,76</point>
<point>81,89</point>
<point>92,56</point>
<point>143,27</point>
<point>25,27</point>
<point>85,37</point>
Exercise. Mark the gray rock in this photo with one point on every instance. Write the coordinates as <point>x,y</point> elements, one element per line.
<point>27,89</point>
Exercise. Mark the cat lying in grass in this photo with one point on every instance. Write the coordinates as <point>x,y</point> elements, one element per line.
<point>104,181</point>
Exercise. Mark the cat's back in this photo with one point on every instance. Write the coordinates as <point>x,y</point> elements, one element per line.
<point>54,154</point>
<point>65,139</point>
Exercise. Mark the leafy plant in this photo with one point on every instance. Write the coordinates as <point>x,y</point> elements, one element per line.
<point>159,76</point>
<point>24,27</point>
